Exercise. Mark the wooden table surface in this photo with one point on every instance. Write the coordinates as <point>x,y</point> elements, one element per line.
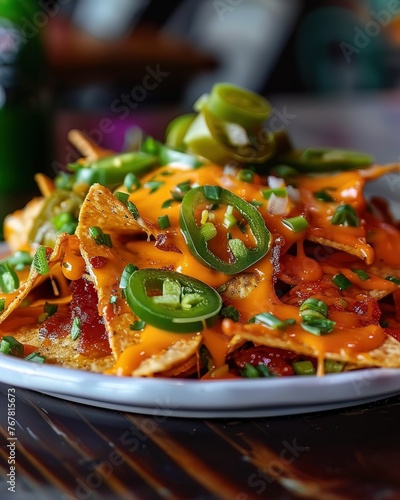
<point>65,450</point>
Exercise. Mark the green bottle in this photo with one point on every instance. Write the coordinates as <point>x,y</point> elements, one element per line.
<point>23,133</point>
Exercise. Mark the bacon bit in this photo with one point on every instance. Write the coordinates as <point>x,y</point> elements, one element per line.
<point>368,311</point>
<point>279,361</point>
<point>98,261</point>
<point>162,244</point>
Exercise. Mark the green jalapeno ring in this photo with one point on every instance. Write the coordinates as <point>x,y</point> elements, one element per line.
<point>325,159</point>
<point>234,104</point>
<point>167,155</point>
<point>197,243</point>
<point>111,170</point>
<point>207,137</point>
<point>176,130</point>
<point>174,314</point>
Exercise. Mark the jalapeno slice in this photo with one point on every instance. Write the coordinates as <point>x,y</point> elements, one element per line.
<point>111,170</point>
<point>198,233</point>
<point>172,301</point>
<point>325,159</point>
<point>176,130</point>
<point>221,141</point>
<point>231,103</point>
<point>167,155</point>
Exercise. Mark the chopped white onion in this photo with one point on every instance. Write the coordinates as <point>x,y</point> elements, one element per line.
<point>275,182</point>
<point>278,205</point>
<point>294,194</point>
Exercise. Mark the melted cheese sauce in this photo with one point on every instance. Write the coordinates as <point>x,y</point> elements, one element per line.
<point>372,241</point>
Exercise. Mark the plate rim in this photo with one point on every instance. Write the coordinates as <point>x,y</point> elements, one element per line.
<point>190,397</point>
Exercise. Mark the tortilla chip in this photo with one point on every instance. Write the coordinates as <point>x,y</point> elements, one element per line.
<point>62,351</point>
<point>35,279</point>
<point>387,355</point>
<point>177,353</point>
<point>363,251</point>
<point>101,208</point>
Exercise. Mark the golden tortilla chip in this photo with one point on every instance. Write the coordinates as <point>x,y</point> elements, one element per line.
<point>386,355</point>
<point>101,208</point>
<point>34,280</point>
<point>177,353</point>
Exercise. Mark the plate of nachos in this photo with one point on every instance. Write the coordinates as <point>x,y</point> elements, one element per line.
<point>219,272</point>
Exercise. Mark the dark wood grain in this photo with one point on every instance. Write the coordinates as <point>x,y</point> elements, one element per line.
<point>72,451</point>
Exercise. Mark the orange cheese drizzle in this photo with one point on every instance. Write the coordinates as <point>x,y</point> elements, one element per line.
<point>346,187</point>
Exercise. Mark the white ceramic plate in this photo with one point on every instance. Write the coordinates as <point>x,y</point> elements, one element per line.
<point>203,399</point>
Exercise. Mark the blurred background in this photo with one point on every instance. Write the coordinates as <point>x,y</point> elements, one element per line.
<point>113,67</point>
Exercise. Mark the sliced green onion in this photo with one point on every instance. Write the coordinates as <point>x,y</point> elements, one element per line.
<point>131,182</point>
<point>345,215</point>
<point>40,260</point>
<point>2,304</point>
<point>332,366</point>
<point>315,305</point>
<point>133,210</point>
<point>167,203</point>
<point>9,280</point>
<point>269,320</point>
<point>230,312</point>
<point>9,345</point>
<point>126,274</point>
<point>280,192</point>
<point>245,175</point>
<point>153,185</point>
<point>250,371</point>
<point>76,328</point>
<point>284,171</point>
<point>256,203</point>
<point>263,370</point>
<point>100,238</point>
<point>238,248</point>
<point>179,191</point>
<point>35,357</point>
<point>163,222</point>
<point>323,195</point>
<point>303,368</point>
<point>50,309</point>
<point>341,281</point>
<point>212,192</point>
<point>318,324</point>
<point>191,300</point>
<point>208,231</point>
<point>171,288</point>
<point>229,219</point>
<point>393,279</point>
<point>62,219</point>
<point>296,224</point>
<point>137,325</point>
<point>363,275</point>
<point>122,197</point>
